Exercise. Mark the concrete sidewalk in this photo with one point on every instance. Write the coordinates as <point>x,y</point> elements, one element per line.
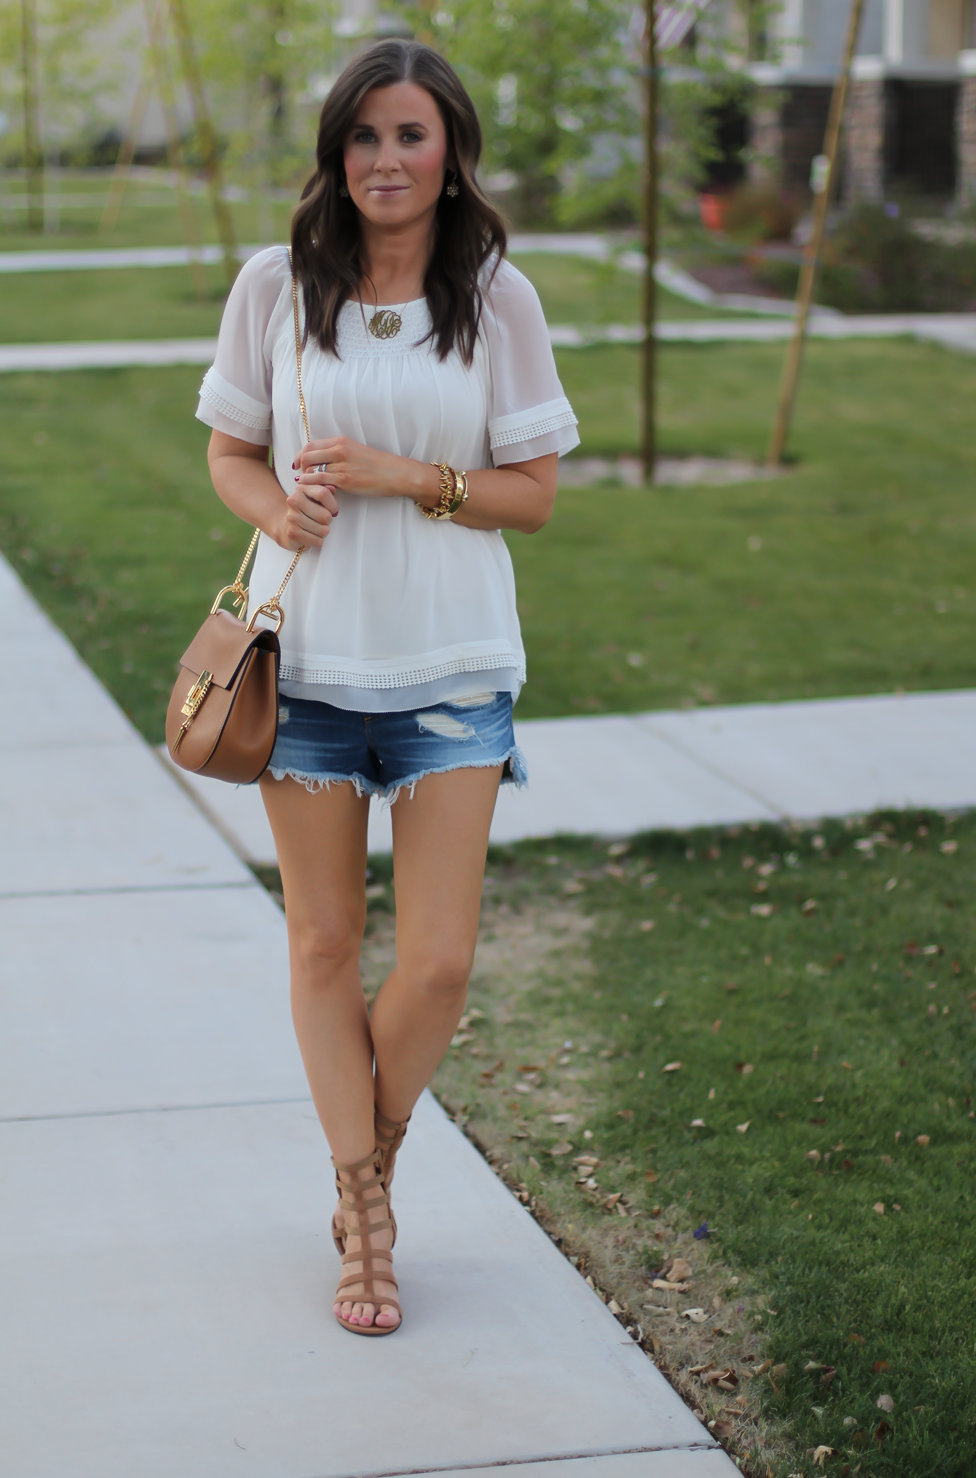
<point>626,773</point>
<point>955,331</point>
<point>167,1269</point>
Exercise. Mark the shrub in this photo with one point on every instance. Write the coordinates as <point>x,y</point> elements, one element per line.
<point>876,262</point>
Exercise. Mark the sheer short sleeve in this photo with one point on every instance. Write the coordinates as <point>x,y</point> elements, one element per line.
<point>235,396</point>
<point>528,414</point>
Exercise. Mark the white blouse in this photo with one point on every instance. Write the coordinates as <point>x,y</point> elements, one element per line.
<point>395,611</point>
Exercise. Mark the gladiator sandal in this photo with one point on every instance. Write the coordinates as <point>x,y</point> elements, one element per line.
<point>389,1137</point>
<point>360,1268</point>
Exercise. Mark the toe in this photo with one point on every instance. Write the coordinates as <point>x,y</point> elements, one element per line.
<point>387,1318</point>
<point>366,1317</point>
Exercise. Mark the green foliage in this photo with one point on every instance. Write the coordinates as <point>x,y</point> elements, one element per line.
<point>266,67</point>
<point>73,73</point>
<point>548,77</point>
<point>880,263</point>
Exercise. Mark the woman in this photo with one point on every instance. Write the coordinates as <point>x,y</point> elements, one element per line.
<point>428,375</point>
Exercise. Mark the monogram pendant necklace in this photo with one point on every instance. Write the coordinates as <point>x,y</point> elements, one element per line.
<point>385,324</point>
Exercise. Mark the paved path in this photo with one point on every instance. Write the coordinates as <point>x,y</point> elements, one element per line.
<point>952,330</point>
<point>167,1270</point>
<point>710,766</point>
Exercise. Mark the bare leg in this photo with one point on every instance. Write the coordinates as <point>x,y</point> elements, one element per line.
<point>440,838</point>
<point>321,844</point>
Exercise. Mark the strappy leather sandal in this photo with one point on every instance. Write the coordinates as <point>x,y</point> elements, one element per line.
<point>389,1137</point>
<point>359,1268</point>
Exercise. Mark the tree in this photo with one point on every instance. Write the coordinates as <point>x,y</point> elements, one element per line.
<point>549,77</point>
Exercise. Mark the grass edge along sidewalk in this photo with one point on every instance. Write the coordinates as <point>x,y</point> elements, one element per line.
<point>817,989</point>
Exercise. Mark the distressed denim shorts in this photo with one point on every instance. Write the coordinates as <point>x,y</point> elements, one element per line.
<point>383,752</point>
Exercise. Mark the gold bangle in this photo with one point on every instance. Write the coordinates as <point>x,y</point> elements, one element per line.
<point>454,492</point>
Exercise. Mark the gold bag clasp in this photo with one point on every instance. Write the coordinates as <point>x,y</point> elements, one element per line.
<point>191,705</point>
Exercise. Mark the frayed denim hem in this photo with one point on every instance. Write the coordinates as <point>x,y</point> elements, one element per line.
<point>515,773</point>
<point>314,783</point>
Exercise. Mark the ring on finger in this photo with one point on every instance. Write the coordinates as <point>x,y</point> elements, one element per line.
<point>322,467</point>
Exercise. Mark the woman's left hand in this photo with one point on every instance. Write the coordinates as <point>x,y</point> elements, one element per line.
<point>350,467</point>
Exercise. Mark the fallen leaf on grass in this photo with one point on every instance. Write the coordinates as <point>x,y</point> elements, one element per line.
<point>697,1316</point>
<point>855,1339</point>
<point>810,906</point>
<point>814,1155</point>
<point>668,1287</point>
<point>679,1270</point>
<point>741,1128</point>
<point>821,1454</point>
<point>698,1124</point>
<point>716,1025</point>
<point>650,1176</point>
<point>574,886</point>
<point>948,848</point>
<point>828,1375</point>
<point>561,1118</point>
<point>625,1113</point>
<point>671,1067</point>
<point>614,1307</point>
<point>721,1429</point>
<point>761,910</point>
<point>591,1160</point>
<point>879,1207</point>
<point>726,1379</point>
<point>880,1365</point>
<point>881,1431</point>
<point>922,1139</point>
<point>562,1148</point>
<point>885,1403</point>
<point>611,1201</point>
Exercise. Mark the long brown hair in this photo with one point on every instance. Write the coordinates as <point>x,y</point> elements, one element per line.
<point>325,238</point>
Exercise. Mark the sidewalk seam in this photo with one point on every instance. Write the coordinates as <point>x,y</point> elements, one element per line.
<point>129,888</point>
<point>155,1108</point>
<point>713,769</point>
<point>514,1462</point>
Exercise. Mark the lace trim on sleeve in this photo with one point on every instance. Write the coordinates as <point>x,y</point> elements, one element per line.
<point>233,403</point>
<point>524,426</point>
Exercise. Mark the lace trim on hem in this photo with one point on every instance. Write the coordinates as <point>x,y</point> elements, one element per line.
<point>227,408</point>
<point>517,434</point>
<point>299,672</point>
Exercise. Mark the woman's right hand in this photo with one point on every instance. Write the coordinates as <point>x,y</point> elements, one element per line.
<point>307,518</point>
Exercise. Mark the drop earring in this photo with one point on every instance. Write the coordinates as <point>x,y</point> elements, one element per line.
<point>452,188</point>
<point>343,191</point>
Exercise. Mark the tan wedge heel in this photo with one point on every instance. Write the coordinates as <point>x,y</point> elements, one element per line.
<point>389,1137</point>
<point>364,1268</point>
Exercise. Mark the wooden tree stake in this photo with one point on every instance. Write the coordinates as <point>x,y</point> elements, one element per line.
<point>649,346</point>
<point>33,155</point>
<point>205,135</point>
<point>811,252</point>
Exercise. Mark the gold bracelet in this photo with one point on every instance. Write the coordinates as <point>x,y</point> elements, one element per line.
<point>454,492</point>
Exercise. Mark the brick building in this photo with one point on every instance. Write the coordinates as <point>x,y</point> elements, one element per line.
<point>911,114</point>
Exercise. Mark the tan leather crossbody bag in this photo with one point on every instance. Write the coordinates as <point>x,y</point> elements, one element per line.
<point>222,718</point>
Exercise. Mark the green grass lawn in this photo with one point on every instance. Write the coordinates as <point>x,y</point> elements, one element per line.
<point>162,302</point>
<point>814,1046</point>
<point>630,599</point>
<point>149,215</point>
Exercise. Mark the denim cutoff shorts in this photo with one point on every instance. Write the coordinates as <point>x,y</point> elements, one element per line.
<point>383,752</point>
